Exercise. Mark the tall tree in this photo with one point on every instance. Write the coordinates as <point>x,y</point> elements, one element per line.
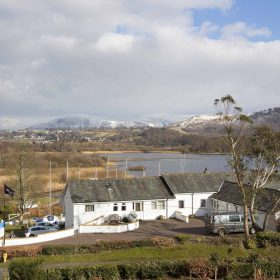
<point>262,161</point>
<point>21,163</point>
<point>234,123</point>
<point>254,158</point>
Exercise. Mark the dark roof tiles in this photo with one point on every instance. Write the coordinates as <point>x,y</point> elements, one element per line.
<point>106,190</point>
<point>195,182</point>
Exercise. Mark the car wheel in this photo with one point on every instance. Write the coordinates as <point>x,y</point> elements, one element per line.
<point>31,235</point>
<point>252,230</point>
<point>221,232</point>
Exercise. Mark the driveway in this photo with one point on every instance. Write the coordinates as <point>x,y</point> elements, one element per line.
<point>147,229</point>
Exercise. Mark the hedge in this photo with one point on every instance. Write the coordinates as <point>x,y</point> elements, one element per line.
<point>106,246</point>
<point>198,268</point>
<point>267,239</point>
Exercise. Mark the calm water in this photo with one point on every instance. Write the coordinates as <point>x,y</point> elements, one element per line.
<point>155,163</point>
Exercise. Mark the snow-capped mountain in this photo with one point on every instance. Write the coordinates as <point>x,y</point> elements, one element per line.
<point>210,124</point>
<point>82,122</point>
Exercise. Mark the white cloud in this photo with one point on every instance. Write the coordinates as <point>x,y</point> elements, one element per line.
<point>115,42</point>
<point>242,30</point>
<point>122,58</point>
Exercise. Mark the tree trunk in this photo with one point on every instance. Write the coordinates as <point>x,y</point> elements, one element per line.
<point>246,227</point>
<point>252,211</point>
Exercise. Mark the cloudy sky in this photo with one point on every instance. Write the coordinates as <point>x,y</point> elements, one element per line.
<point>125,59</point>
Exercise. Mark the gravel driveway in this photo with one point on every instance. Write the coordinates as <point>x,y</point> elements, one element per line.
<point>147,229</point>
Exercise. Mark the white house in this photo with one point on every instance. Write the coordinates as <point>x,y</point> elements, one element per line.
<point>148,197</point>
<point>229,199</point>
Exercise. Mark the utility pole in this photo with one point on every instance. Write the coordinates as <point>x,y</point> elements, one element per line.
<point>67,174</point>
<point>159,168</point>
<point>108,167</point>
<point>50,191</point>
<point>125,168</point>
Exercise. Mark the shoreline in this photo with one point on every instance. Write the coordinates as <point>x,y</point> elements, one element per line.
<point>150,152</point>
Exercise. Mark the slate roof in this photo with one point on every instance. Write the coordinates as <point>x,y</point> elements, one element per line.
<point>109,190</point>
<point>265,199</point>
<point>194,182</point>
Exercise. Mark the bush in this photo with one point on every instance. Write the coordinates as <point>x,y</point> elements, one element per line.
<point>183,238</point>
<point>82,273</point>
<point>106,246</point>
<point>267,239</point>
<point>25,270</point>
<point>22,251</point>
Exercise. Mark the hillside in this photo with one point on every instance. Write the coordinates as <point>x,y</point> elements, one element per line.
<point>205,124</point>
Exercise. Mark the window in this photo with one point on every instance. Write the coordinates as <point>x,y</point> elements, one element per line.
<point>154,205</point>
<point>115,207</point>
<point>181,204</point>
<point>161,204</point>
<point>89,208</point>
<point>234,219</point>
<point>138,206</point>
<point>202,202</point>
<point>123,206</point>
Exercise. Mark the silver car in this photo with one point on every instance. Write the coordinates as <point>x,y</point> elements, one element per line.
<point>228,222</point>
<point>37,230</point>
<point>47,224</point>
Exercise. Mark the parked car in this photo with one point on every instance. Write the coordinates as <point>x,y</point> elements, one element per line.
<point>47,224</point>
<point>37,230</point>
<point>51,219</point>
<point>228,222</point>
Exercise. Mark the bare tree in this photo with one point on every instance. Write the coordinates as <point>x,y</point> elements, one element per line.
<point>262,161</point>
<point>235,123</point>
<point>253,160</point>
<point>21,165</point>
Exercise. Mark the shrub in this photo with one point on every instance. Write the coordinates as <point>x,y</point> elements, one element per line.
<point>251,244</point>
<point>267,239</point>
<point>82,273</point>
<point>22,251</point>
<point>200,268</point>
<point>106,246</point>
<point>25,270</point>
<point>183,238</point>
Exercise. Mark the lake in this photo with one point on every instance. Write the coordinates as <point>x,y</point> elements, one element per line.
<point>157,163</point>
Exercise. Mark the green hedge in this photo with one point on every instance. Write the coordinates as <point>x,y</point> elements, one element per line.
<point>199,268</point>
<point>25,270</point>
<point>106,246</point>
<point>267,239</point>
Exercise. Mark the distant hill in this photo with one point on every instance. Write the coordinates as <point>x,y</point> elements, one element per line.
<point>210,124</point>
<point>83,122</point>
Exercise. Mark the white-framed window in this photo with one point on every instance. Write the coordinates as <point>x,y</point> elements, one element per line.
<point>181,204</point>
<point>202,202</point>
<point>115,207</point>
<point>89,208</point>
<point>123,207</point>
<point>154,205</point>
<point>138,206</point>
<point>161,204</point>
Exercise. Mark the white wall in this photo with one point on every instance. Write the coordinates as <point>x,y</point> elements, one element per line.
<point>108,228</point>
<point>192,204</point>
<point>106,209</point>
<point>68,209</point>
<point>40,238</point>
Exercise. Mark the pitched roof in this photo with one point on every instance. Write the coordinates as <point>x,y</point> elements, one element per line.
<point>109,190</point>
<point>265,199</point>
<point>194,182</point>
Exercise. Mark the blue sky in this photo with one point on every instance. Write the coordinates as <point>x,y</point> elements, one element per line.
<point>258,13</point>
<point>135,59</point>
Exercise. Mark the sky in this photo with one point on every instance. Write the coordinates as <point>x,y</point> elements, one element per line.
<point>135,59</point>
